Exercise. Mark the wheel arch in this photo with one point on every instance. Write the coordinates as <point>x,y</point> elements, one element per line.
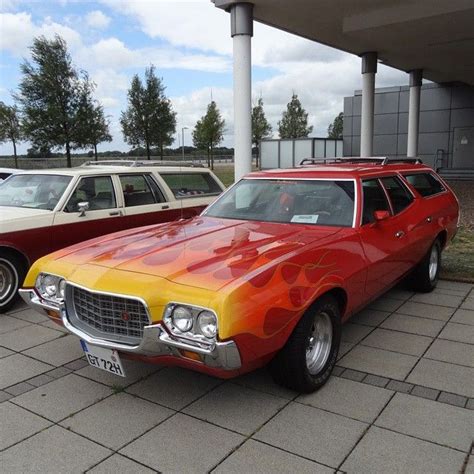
<point>9,250</point>
<point>339,294</point>
<point>443,238</point>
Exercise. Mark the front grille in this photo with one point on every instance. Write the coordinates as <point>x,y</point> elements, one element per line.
<point>119,316</point>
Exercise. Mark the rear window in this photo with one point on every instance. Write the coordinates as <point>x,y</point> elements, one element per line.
<point>184,185</point>
<point>397,193</point>
<point>425,183</point>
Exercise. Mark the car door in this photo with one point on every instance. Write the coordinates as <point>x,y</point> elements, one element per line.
<point>383,241</point>
<point>145,203</point>
<point>103,215</point>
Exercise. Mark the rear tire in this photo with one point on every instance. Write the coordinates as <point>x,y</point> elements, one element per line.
<point>307,359</point>
<point>425,276</point>
<point>12,274</point>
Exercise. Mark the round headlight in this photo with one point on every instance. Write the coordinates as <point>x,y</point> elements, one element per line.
<point>182,318</point>
<point>62,289</point>
<point>207,323</point>
<point>48,285</point>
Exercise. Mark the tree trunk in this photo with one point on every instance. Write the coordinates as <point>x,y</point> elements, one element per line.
<point>95,151</point>
<point>68,155</point>
<point>212,158</point>
<point>257,157</point>
<point>161,151</point>
<point>148,155</point>
<point>14,153</point>
<point>208,158</point>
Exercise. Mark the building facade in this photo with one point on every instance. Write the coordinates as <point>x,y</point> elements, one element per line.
<point>446,127</point>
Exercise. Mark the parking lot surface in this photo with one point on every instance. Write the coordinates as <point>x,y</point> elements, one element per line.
<point>401,400</point>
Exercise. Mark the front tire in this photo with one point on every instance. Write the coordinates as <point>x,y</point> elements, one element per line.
<point>307,359</point>
<point>12,272</point>
<point>425,276</point>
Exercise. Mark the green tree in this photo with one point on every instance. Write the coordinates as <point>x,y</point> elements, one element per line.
<point>50,94</point>
<point>209,132</point>
<point>335,128</point>
<point>294,121</point>
<point>10,128</point>
<point>149,119</point>
<point>260,127</point>
<point>94,125</point>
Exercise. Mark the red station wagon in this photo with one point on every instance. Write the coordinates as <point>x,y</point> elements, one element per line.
<point>266,274</point>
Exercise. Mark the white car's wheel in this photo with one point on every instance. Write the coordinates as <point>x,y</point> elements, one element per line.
<point>11,275</point>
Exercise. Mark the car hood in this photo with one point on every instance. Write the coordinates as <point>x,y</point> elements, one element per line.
<point>204,252</point>
<point>20,217</point>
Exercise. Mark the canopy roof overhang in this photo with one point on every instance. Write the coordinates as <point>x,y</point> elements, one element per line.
<point>434,35</point>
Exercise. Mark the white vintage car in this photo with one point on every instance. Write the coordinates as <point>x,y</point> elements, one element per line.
<point>45,210</point>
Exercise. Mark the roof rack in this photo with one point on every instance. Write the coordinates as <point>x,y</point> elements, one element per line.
<point>382,160</point>
<point>141,163</point>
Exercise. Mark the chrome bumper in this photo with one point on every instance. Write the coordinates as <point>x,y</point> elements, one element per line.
<point>156,340</point>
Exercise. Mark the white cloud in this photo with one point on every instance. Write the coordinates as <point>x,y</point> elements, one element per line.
<point>200,25</point>
<point>18,31</point>
<point>97,19</point>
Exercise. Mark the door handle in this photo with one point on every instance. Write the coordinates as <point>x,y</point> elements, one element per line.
<point>115,213</point>
<point>399,234</point>
<point>428,219</point>
<point>165,206</point>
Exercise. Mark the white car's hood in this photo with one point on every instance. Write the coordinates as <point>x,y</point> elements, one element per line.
<point>20,218</point>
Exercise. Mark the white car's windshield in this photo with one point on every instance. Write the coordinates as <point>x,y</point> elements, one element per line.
<point>38,191</point>
<point>316,202</point>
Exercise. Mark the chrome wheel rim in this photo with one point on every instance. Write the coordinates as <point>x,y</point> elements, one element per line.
<point>319,343</point>
<point>7,279</point>
<point>434,262</point>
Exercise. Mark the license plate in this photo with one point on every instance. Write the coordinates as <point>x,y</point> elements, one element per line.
<point>105,359</point>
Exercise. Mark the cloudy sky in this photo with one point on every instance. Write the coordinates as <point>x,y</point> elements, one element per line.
<point>190,45</point>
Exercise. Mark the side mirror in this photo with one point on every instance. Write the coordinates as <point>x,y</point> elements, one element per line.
<point>82,207</point>
<point>381,215</point>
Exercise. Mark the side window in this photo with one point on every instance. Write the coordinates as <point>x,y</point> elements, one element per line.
<point>139,190</point>
<point>398,193</point>
<point>425,183</point>
<point>98,191</point>
<point>191,184</point>
<point>374,200</point>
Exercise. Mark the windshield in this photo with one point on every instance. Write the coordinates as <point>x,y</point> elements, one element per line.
<point>320,202</point>
<point>37,191</point>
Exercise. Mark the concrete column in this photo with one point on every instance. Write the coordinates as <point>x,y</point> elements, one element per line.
<point>369,69</point>
<point>241,20</point>
<point>414,112</point>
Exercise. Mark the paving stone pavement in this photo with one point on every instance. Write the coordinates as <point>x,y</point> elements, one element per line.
<point>401,399</point>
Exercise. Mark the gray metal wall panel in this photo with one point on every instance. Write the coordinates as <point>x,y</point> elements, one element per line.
<point>463,96</point>
<point>348,105</point>
<point>402,144</point>
<point>356,125</point>
<point>269,154</point>
<point>430,142</point>
<point>434,121</point>
<point>404,101</point>
<point>357,105</point>
<point>385,124</point>
<point>462,118</point>
<point>435,99</point>
<point>403,123</point>
<point>347,146</point>
<point>386,103</point>
<point>385,145</point>
<point>347,125</point>
<point>356,145</point>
